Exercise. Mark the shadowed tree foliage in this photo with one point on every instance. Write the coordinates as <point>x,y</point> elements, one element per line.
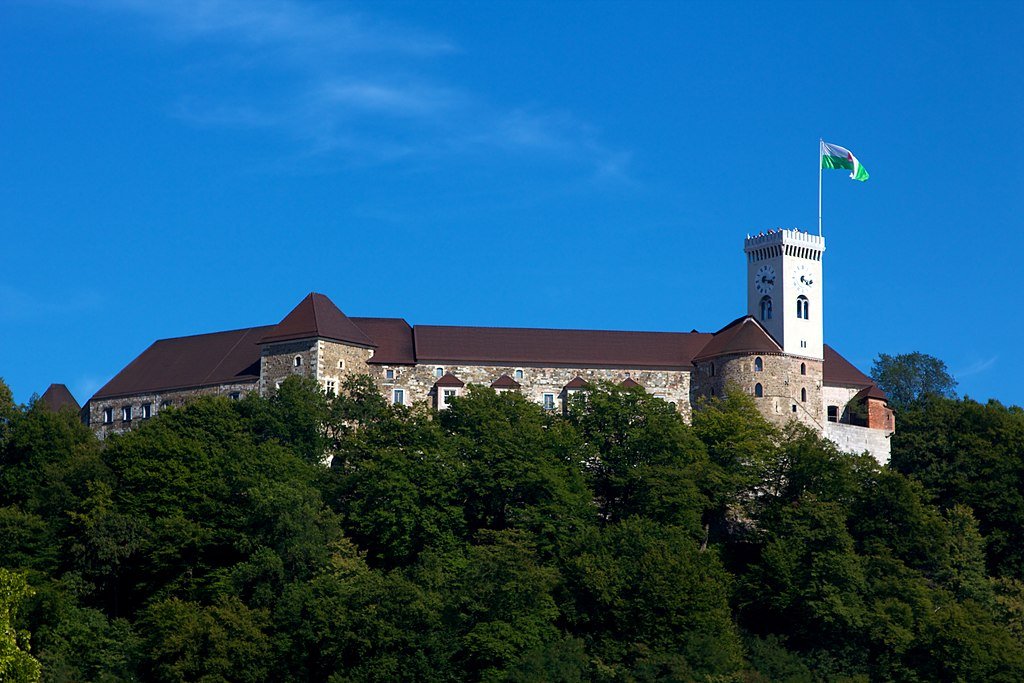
<point>907,377</point>
<point>496,541</point>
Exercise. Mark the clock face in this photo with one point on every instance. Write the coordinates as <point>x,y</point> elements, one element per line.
<point>802,278</point>
<point>764,279</point>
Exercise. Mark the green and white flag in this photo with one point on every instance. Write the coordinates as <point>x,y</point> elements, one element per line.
<point>834,156</point>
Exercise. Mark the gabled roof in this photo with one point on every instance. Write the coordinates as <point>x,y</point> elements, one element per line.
<point>545,347</point>
<point>197,361</point>
<point>838,371</point>
<point>743,335</point>
<point>316,316</point>
<point>629,383</point>
<point>870,392</point>
<point>57,396</point>
<point>577,383</point>
<point>449,380</point>
<point>393,337</point>
<point>505,382</point>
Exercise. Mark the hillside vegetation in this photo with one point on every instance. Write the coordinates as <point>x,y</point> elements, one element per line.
<point>497,542</point>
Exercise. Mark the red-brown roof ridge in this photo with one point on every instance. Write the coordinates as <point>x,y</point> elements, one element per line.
<point>743,335</point>
<point>449,380</point>
<point>316,316</point>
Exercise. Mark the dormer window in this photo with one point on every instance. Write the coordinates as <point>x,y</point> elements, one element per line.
<point>766,308</point>
<point>758,364</point>
<point>803,307</point>
<point>298,361</point>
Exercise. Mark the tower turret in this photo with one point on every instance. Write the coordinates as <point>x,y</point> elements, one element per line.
<point>784,288</point>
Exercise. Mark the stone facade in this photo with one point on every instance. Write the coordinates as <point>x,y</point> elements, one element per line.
<point>336,361</point>
<point>418,381</point>
<point>853,439</point>
<point>156,402</point>
<point>791,387</point>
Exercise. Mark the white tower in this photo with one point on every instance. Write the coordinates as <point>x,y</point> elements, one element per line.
<point>784,291</point>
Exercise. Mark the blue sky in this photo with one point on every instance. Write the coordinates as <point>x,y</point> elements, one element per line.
<point>177,168</point>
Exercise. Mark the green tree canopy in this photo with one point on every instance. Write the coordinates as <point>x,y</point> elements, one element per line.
<point>907,377</point>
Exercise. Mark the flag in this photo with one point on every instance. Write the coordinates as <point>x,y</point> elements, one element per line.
<point>834,156</point>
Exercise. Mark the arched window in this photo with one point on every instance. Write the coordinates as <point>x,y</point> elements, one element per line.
<point>758,364</point>
<point>803,368</point>
<point>519,373</point>
<point>803,395</point>
<point>803,307</point>
<point>766,308</point>
<point>298,361</point>
<point>758,390</point>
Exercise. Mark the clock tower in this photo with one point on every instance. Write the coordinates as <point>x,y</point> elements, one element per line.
<point>784,288</point>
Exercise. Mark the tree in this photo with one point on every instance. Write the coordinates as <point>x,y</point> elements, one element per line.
<point>16,664</point>
<point>909,376</point>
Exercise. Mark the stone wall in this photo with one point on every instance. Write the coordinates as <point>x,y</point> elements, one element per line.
<point>277,362</point>
<point>782,382</point>
<point>336,361</point>
<point>839,397</point>
<point>418,380</point>
<point>156,401</point>
<point>853,439</point>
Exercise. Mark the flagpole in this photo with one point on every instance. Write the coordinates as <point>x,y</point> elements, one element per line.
<point>820,141</point>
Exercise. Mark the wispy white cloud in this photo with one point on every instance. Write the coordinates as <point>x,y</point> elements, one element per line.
<point>977,367</point>
<point>17,304</point>
<point>336,80</point>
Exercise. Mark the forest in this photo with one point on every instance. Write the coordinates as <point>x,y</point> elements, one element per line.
<point>308,537</point>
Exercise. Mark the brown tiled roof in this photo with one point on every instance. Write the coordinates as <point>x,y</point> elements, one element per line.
<point>449,380</point>
<point>200,360</point>
<point>870,392</point>
<point>629,383</point>
<point>317,316</point>
<point>580,348</point>
<point>577,383</point>
<point>505,382</point>
<point>57,396</point>
<point>743,335</point>
<point>393,337</point>
<point>838,371</point>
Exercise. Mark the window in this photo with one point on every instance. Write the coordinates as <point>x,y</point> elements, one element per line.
<point>519,373</point>
<point>126,413</point>
<point>438,372</point>
<point>235,396</point>
<point>833,413</point>
<point>446,396</point>
<point>803,395</point>
<point>398,397</point>
<point>108,415</point>
<point>793,407</point>
<point>331,387</point>
<point>389,374</point>
<point>549,401</point>
<point>147,411</point>
<point>803,307</point>
<point>758,364</point>
<point>766,308</point>
<point>712,369</point>
<point>277,384</point>
<point>758,390</point>
<point>298,361</point>
<point>712,392</point>
<point>165,404</point>
<point>341,365</point>
<point>803,344</point>
<point>803,368</point>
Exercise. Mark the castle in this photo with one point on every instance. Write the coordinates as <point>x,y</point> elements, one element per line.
<point>776,353</point>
